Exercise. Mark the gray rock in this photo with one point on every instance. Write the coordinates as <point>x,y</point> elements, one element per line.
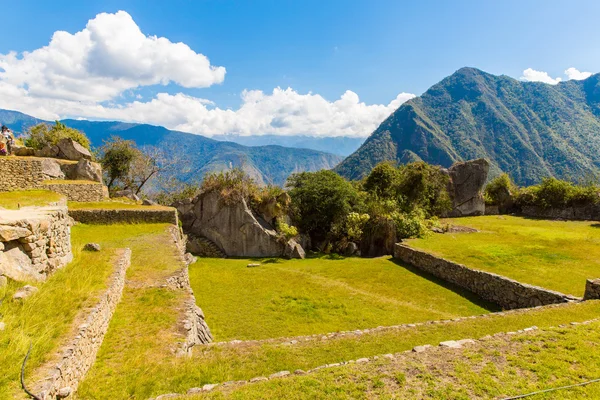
<point>453,344</point>
<point>3,281</point>
<point>51,168</point>
<point>362,360</point>
<point>209,386</point>
<point>47,151</point>
<point>351,249</point>
<point>279,374</point>
<point>24,292</point>
<point>231,226</point>
<point>194,390</point>
<point>87,170</point>
<point>259,379</point>
<point>92,247</point>
<point>148,202</point>
<point>465,187</point>
<point>293,250</point>
<point>22,151</point>
<point>71,150</point>
<point>379,237</point>
<point>16,263</point>
<point>64,392</point>
<point>253,265</point>
<point>129,194</point>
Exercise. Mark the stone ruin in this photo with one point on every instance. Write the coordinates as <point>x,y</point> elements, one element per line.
<point>34,242</point>
<point>465,187</point>
<point>233,227</point>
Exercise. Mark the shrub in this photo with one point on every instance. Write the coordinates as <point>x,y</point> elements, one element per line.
<point>116,157</point>
<point>411,225</point>
<point>43,134</point>
<point>558,193</point>
<point>286,231</point>
<point>184,191</point>
<point>233,185</point>
<point>355,223</point>
<point>500,190</point>
<point>320,200</point>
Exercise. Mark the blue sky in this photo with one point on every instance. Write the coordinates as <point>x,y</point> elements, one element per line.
<point>376,49</point>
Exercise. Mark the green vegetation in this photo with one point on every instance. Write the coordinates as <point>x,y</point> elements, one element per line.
<point>318,295</point>
<point>557,255</point>
<point>116,158</point>
<point>42,135</point>
<point>26,198</point>
<point>559,194</point>
<point>528,130</point>
<point>505,367</point>
<point>132,369</point>
<point>45,318</point>
<point>112,205</point>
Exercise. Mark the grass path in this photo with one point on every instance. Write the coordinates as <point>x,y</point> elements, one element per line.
<point>319,295</point>
<point>495,368</point>
<point>558,255</point>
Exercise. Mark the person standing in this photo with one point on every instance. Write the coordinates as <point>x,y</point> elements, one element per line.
<point>9,138</point>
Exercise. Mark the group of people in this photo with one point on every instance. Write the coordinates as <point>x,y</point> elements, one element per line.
<point>7,140</point>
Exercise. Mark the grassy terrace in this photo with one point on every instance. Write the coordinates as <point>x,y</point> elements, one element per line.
<point>44,319</point>
<point>26,198</point>
<point>506,366</point>
<point>319,295</point>
<point>558,255</point>
<point>112,205</point>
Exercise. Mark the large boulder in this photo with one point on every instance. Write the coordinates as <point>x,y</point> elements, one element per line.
<point>127,193</point>
<point>87,170</point>
<point>71,150</point>
<point>233,227</point>
<point>22,151</point>
<point>378,238</point>
<point>51,169</point>
<point>47,151</point>
<point>465,187</point>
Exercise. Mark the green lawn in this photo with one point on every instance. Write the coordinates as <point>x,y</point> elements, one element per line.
<point>26,198</point>
<point>319,295</point>
<point>507,366</point>
<point>558,255</point>
<point>112,205</point>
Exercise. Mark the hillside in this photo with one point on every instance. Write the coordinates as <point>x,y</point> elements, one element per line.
<point>530,130</point>
<point>198,154</point>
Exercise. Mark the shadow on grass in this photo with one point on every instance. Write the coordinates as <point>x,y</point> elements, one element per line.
<point>597,225</point>
<point>464,293</point>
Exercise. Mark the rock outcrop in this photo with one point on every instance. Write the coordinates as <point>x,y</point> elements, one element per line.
<point>465,186</point>
<point>233,227</point>
<point>379,238</point>
<point>71,150</point>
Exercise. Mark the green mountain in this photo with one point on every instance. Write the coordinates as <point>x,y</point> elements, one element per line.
<point>530,130</point>
<point>197,154</point>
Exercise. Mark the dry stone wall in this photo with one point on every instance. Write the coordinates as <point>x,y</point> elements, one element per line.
<point>34,242</point>
<point>20,174</point>
<point>507,293</point>
<point>79,354</point>
<point>584,213</point>
<point>84,192</point>
<point>105,217</point>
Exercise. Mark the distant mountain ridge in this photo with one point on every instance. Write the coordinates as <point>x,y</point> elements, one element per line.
<point>530,130</point>
<point>198,154</point>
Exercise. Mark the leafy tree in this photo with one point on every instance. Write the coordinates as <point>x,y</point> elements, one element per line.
<point>320,200</point>
<point>44,134</point>
<point>117,157</point>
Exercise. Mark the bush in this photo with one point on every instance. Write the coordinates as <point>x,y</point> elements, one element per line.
<point>320,200</point>
<point>116,157</point>
<point>558,193</point>
<point>500,190</point>
<point>355,224</point>
<point>42,135</point>
<point>286,231</point>
<point>184,191</point>
<point>233,185</point>
<point>411,225</point>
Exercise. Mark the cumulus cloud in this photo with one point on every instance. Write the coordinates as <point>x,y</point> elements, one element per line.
<point>89,74</point>
<point>106,58</point>
<point>531,75</point>
<point>574,73</point>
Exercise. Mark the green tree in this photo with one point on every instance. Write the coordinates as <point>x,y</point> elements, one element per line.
<point>44,134</point>
<point>320,200</point>
<point>117,155</point>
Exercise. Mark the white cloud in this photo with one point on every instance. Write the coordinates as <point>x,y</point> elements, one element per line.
<point>531,75</point>
<point>106,58</point>
<point>87,74</point>
<point>574,73</point>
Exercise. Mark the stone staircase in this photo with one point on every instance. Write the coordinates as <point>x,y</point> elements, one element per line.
<point>203,247</point>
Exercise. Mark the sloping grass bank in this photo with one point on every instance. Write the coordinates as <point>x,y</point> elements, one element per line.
<point>557,255</point>
<point>26,198</point>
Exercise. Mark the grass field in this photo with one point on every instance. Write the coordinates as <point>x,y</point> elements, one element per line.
<point>112,205</point>
<point>319,295</point>
<point>26,198</point>
<point>505,366</point>
<point>558,255</point>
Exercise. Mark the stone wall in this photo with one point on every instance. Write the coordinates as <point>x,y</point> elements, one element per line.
<point>507,293</point>
<point>193,323</point>
<point>18,174</point>
<point>585,213</point>
<point>34,242</point>
<point>105,217</point>
<point>85,192</point>
<point>79,354</point>
<point>592,289</point>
